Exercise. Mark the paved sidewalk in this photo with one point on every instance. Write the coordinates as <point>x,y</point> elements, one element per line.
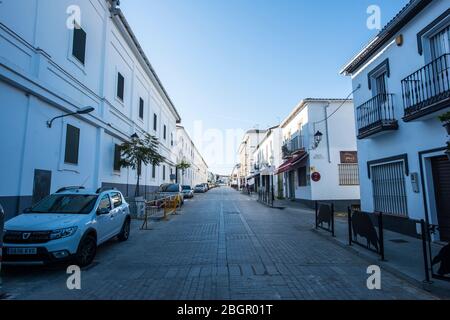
<point>223,245</point>
<point>403,254</point>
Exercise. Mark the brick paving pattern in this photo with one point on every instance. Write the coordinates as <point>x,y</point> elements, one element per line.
<point>222,246</point>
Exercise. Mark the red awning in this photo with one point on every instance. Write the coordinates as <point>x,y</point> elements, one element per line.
<point>285,166</point>
<point>300,161</point>
<point>296,159</point>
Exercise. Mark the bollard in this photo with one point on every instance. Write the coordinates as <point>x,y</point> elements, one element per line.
<point>2,224</point>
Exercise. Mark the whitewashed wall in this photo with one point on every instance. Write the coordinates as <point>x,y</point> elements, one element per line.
<point>39,79</point>
<point>403,61</point>
<point>326,157</point>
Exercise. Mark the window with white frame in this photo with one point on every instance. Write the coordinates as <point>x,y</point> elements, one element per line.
<point>348,174</point>
<point>440,43</point>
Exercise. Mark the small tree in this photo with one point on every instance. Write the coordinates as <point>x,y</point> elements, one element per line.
<point>183,166</point>
<point>138,152</point>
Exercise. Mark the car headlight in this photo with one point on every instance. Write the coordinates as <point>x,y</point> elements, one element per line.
<point>62,233</point>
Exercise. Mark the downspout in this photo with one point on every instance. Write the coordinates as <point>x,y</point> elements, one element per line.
<point>326,130</point>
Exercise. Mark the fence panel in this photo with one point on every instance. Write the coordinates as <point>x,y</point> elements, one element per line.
<point>436,259</point>
<point>360,225</point>
<point>325,215</point>
<point>266,196</point>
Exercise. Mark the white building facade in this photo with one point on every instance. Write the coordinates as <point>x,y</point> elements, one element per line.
<point>268,157</point>
<point>403,81</point>
<point>187,152</point>
<point>245,153</point>
<point>49,68</point>
<point>325,169</point>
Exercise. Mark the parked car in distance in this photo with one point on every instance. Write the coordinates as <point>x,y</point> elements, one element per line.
<point>200,188</point>
<point>206,186</point>
<point>172,189</point>
<point>188,192</point>
<point>68,225</point>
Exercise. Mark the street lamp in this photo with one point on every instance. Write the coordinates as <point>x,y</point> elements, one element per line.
<point>80,111</point>
<point>317,138</point>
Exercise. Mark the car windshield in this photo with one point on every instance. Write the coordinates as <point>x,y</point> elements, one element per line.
<point>186,188</point>
<point>170,188</point>
<point>199,186</point>
<point>66,204</point>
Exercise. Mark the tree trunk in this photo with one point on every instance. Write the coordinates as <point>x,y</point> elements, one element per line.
<point>136,192</point>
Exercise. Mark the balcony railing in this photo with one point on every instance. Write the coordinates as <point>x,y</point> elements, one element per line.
<point>376,115</point>
<point>293,145</point>
<point>426,90</point>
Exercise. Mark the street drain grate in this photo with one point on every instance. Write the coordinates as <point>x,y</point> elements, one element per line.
<point>398,241</point>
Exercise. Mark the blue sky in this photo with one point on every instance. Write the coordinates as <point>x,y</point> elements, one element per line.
<point>235,64</point>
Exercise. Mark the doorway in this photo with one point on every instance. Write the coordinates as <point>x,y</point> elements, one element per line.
<point>441,180</point>
<point>291,185</point>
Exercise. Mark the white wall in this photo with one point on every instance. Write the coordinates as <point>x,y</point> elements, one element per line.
<point>198,172</point>
<point>325,159</point>
<point>39,79</point>
<point>411,137</point>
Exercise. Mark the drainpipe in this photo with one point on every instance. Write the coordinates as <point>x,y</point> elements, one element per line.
<point>326,130</point>
<point>2,224</point>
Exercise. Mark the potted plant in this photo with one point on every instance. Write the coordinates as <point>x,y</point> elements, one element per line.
<point>445,119</point>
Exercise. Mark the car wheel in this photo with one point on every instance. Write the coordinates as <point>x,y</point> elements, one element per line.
<point>86,251</point>
<point>125,233</point>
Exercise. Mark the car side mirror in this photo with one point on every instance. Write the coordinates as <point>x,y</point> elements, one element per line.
<point>102,211</point>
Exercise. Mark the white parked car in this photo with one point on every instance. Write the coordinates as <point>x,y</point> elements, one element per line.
<point>66,226</point>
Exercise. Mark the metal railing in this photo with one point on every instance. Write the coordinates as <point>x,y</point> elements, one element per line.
<point>161,207</point>
<point>361,226</point>
<point>325,214</point>
<point>348,174</point>
<point>435,262</point>
<point>266,196</point>
<point>293,145</point>
<point>427,86</point>
<point>377,111</point>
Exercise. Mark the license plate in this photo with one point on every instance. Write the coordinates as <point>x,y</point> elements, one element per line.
<point>22,251</point>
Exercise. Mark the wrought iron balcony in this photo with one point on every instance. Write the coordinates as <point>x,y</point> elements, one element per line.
<point>292,146</point>
<point>427,90</point>
<point>376,116</point>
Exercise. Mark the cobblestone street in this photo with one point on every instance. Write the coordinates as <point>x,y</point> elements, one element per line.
<point>223,245</point>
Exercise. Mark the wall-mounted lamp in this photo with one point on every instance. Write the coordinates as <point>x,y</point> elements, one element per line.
<point>81,111</point>
<point>317,139</point>
<point>399,40</point>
